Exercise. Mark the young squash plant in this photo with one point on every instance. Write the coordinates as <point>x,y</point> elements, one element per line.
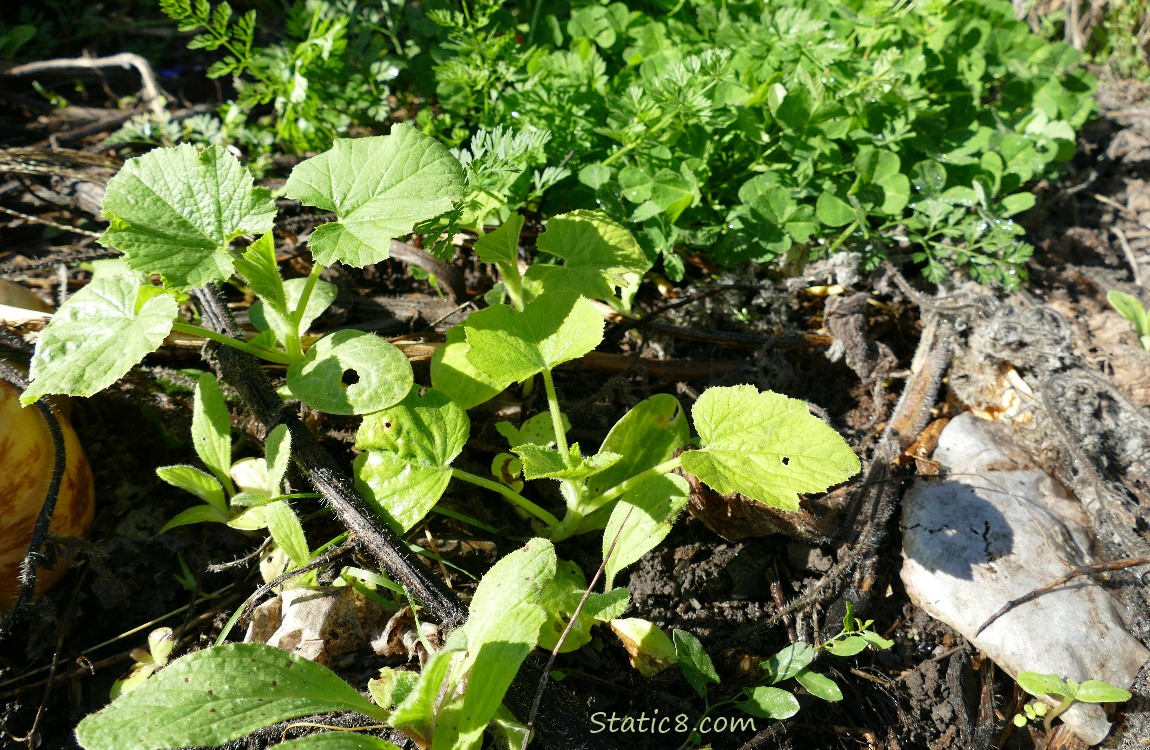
<point>175,214</point>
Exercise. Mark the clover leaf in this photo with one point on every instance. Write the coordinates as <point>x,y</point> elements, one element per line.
<point>379,187</point>
<point>175,211</point>
<point>766,446</point>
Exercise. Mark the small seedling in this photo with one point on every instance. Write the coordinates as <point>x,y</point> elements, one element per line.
<point>1067,691</point>
<point>1132,310</point>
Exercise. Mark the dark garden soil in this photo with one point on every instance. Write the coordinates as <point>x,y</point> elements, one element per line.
<point>745,582</point>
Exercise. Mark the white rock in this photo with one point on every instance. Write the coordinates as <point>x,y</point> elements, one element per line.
<point>995,530</point>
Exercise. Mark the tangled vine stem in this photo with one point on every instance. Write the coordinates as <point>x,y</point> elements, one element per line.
<point>35,559</point>
<point>561,723</point>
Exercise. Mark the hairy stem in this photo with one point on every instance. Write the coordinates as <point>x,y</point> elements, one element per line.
<point>269,355</point>
<point>556,414</point>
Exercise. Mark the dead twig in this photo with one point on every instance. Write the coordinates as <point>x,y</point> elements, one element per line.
<point>150,92</point>
<point>1102,567</point>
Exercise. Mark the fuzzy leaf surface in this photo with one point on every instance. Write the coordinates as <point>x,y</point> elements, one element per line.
<point>218,695</point>
<point>598,255</point>
<point>766,446</point>
<point>97,336</point>
<point>409,448</point>
<point>511,346</point>
<point>175,212</point>
<point>453,374</point>
<point>379,187</point>
<point>383,374</point>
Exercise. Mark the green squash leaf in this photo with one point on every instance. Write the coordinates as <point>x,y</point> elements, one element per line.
<point>511,346</point>
<point>379,187</point>
<point>642,519</point>
<point>175,212</point>
<point>598,255</point>
<point>383,374</point>
<point>410,447</point>
<point>452,372</point>
<point>259,268</point>
<point>218,695</point>
<point>267,317</point>
<point>766,446</point>
<point>645,436</point>
<point>502,245</point>
<point>547,463</point>
<point>97,336</point>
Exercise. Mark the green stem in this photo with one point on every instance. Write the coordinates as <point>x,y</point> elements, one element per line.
<point>269,355</point>
<point>624,487</point>
<point>516,499</point>
<point>843,237</point>
<point>294,347</point>
<point>513,284</point>
<point>556,415</point>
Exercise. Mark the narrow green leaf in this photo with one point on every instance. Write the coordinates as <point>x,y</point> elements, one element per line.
<point>212,427</point>
<point>789,662</point>
<point>382,374</point>
<point>259,268</point>
<point>218,695</point>
<point>195,514</point>
<point>766,446</point>
<point>502,627</point>
<point>410,447</point>
<point>266,317</point>
<point>693,659</point>
<point>770,703</point>
<point>502,245</point>
<point>277,449</point>
<point>284,526</point>
<point>175,211</point>
<point>418,708</point>
<point>641,520</point>
<point>819,685</point>
<point>1097,691</point>
<point>379,187</point>
<point>190,479</point>
<point>511,346</point>
<point>598,255</point>
<point>96,337</point>
<point>345,740</point>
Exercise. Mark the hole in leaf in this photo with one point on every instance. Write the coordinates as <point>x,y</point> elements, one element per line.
<point>786,460</point>
<point>350,377</point>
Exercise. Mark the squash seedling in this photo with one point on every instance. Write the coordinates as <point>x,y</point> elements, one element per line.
<point>1068,693</point>
<point>175,213</point>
